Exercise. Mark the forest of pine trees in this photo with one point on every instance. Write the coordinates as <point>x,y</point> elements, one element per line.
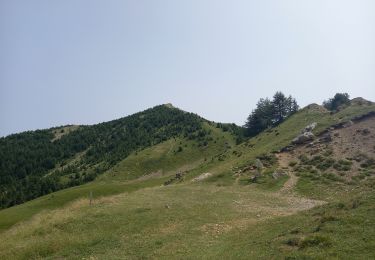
<point>26,159</point>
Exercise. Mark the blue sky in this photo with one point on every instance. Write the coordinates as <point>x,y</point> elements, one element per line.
<point>88,61</point>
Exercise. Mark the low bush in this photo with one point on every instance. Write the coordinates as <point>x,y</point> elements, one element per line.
<point>316,240</point>
<point>343,165</point>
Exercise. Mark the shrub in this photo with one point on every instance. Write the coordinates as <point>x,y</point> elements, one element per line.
<point>268,159</point>
<point>331,176</point>
<point>316,240</point>
<point>369,163</point>
<point>343,165</point>
<point>303,158</point>
<point>338,100</point>
<point>325,164</point>
<point>292,163</point>
<point>294,241</point>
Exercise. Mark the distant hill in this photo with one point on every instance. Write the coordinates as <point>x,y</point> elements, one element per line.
<point>35,163</point>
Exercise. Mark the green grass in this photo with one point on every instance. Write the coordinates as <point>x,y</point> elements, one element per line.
<point>119,226</point>
<point>221,179</point>
<point>218,218</point>
<point>192,221</point>
<point>162,157</point>
<point>13,215</point>
<point>166,159</point>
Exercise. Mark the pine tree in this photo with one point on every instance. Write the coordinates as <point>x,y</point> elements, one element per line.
<point>270,113</point>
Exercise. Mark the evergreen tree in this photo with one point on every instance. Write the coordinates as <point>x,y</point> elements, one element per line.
<point>338,100</point>
<point>280,108</point>
<point>270,113</point>
<point>260,118</point>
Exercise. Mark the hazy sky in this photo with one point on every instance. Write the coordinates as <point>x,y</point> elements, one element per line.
<point>86,61</point>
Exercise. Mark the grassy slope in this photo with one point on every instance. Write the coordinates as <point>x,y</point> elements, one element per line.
<point>140,224</point>
<point>213,218</point>
<point>200,220</point>
<point>166,159</point>
<point>144,162</point>
<point>280,136</point>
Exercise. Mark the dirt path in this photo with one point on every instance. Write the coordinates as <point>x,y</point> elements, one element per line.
<point>284,159</point>
<point>290,183</point>
<point>237,179</point>
<point>288,187</point>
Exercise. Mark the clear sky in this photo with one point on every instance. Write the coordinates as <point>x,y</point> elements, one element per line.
<point>88,61</point>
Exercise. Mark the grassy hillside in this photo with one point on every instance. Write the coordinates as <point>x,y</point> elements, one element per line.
<point>223,215</point>
<point>192,221</point>
<point>39,162</point>
<point>164,158</point>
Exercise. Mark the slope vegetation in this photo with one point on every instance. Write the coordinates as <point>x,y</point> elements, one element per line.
<point>152,205</point>
<point>40,162</point>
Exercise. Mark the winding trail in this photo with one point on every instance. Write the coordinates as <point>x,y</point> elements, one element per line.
<point>288,188</point>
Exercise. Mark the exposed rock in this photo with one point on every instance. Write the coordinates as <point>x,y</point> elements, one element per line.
<point>258,165</point>
<point>256,176</point>
<point>310,145</point>
<point>303,138</point>
<point>347,124</point>
<point>248,168</point>
<point>306,134</point>
<point>287,148</point>
<point>178,177</point>
<point>326,138</point>
<point>309,128</point>
<point>277,174</point>
<point>365,131</point>
<point>315,107</point>
<point>202,176</point>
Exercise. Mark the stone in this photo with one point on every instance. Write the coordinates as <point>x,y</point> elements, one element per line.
<point>347,124</point>
<point>310,127</point>
<point>365,131</point>
<point>258,164</point>
<point>326,138</point>
<point>310,145</point>
<point>303,138</point>
<point>288,148</point>
<point>277,174</point>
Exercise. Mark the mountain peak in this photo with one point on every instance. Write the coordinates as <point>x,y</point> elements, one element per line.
<point>169,105</point>
<point>360,101</point>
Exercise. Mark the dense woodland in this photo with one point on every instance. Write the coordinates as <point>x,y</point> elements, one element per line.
<point>34,164</point>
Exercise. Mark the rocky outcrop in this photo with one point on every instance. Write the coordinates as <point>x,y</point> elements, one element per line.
<point>303,138</point>
<point>325,138</point>
<point>309,128</point>
<point>306,135</point>
<point>278,174</point>
<point>348,124</point>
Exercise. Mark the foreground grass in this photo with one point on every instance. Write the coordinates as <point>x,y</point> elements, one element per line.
<point>13,215</point>
<point>197,221</point>
<point>152,222</point>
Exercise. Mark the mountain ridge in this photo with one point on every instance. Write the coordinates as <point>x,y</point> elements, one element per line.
<point>203,186</point>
